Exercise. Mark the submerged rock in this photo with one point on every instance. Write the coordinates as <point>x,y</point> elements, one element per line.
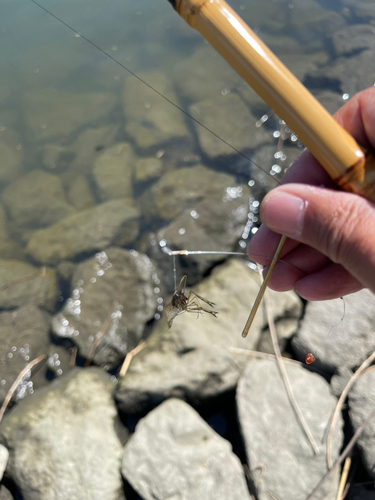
<point>353,39</point>
<point>110,223</point>
<point>115,281</point>
<point>274,438</point>
<point>9,249</point>
<point>113,172</point>
<point>63,439</point>
<point>79,193</point>
<point>36,200</point>
<point>11,155</point>
<point>24,335</point>
<point>40,290</point>
<point>174,453</point>
<point>199,357</point>
<point>361,404</point>
<point>350,341</point>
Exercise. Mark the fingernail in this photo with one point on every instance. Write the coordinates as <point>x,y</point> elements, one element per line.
<point>283,213</point>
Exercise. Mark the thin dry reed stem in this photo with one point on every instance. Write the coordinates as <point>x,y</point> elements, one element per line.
<point>17,281</point>
<point>129,356</point>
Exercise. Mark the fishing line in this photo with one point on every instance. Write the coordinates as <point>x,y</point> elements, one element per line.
<point>154,90</point>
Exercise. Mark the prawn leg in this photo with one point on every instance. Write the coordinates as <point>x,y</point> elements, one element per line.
<point>211,304</point>
<point>200,310</point>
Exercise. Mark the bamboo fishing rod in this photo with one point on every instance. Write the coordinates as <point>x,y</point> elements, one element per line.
<point>334,148</point>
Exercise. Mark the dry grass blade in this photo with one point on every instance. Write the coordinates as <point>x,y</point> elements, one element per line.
<point>129,356</point>
<point>16,383</point>
<point>17,281</point>
<point>73,356</point>
<point>101,334</point>
<point>263,355</point>
<point>344,477</point>
<point>343,455</point>
<point>285,378</point>
<point>340,402</point>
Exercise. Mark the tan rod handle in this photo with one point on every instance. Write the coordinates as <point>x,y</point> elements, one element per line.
<point>331,145</point>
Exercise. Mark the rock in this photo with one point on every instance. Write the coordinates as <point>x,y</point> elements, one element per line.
<point>40,289</point>
<point>149,119</point>
<point>63,440</point>
<point>361,404</point>
<point>58,361</point>
<point>229,119</point>
<point>90,145</point>
<point>332,101</point>
<point>339,381</point>
<point>274,438</point>
<point>214,224</point>
<point>36,200</point>
<point>110,223</point>
<point>182,189</point>
<point>51,112</point>
<point>148,169</point>
<point>114,276</point>
<point>199,357</point>
<point>353,39</point>
<point>79,194</point>
<point>24,335</point>
<point>113,172</point>
<point>360,492</point>
<point>9,249</point>
<point>351,74</point>
<point>174,453</point>
<point>5,494</point>
<point>4,456</point>
<point>349,343</point>
<point>11,155</point>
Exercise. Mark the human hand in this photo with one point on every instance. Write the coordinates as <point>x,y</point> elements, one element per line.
<point>330,249</point>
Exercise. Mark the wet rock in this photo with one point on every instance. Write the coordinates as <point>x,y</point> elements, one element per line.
<point>5,494</point>
<point>58,361</point>
<point>90,145</point>
<point>36,200</point>
<point>4,456</point>
<point>65,269</point>
<point>310,20</point>
<point>79,194</point>
<point>11,155</point>
<point>40,289</point>
<point>113,172</point>
<point>182,189</point>
<point>228,118</point>
<point>361,404</point>
<point>174,453</point>
<point>69,427</point>
<point>150,119</point>
<point>364,10</point>
<point>213,225</point>
<point>352,74</point>
<point>273,436</point>
<point>148,169</point>
<point>349,343</point>
<point>9,249</point>
<point>57,113</point>
<point>204,74</point>
<point>114,276</point>
<point>113,222</point>
<point>353,39</point>
<point>199,357</point>
<point>24,335</point>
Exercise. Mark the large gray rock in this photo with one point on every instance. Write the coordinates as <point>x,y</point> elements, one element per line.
<point>9,249</point>
<point>349,343</point>
<point>63,442</point>
<point>113,172</point>
<point>115,275</point>
<point>36,200</point>
<point>79,193</point>
<point>110,223</point>
<point>182,189</point>
<point>229,119</point>
<point>174,453</point>
<point>195,359</point>
<point>24,335</point>
<point>149,119</point>
<point>273,436</point>
<point>50,112</point>
<point>41,290</point>
<point>361,404</point>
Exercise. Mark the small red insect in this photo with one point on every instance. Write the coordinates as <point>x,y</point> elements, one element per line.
<point>310,358</point>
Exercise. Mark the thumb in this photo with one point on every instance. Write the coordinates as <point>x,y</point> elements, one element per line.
<point>339,225</point>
